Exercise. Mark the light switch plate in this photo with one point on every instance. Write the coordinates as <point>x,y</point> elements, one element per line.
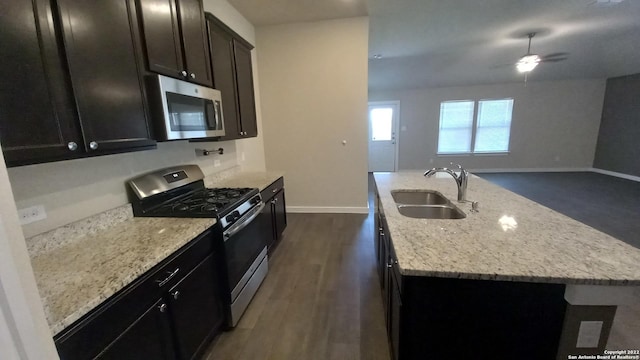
<point>589,334</point>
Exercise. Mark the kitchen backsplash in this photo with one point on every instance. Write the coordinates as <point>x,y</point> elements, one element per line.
<point>76,189</point>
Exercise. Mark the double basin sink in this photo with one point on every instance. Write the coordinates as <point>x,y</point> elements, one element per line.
<point>425,204</point>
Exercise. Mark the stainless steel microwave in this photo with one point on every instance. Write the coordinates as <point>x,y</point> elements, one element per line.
<point>182,110</point>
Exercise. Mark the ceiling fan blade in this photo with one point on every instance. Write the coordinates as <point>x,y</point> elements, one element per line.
<point>558,54</point>
<point>553,60</point>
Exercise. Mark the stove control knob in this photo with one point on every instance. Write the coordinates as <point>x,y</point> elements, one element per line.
<point>236,214</point>
<point>230,218</point>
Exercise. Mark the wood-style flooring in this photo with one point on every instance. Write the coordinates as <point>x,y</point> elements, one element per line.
<point>320,300</point>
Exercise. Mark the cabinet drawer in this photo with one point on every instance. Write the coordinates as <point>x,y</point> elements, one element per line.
<point>271,190</point>
<point>89,335</point>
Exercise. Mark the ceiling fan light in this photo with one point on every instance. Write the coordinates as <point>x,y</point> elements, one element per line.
<point>527,63</point>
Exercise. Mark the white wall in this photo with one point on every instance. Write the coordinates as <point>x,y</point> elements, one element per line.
<point>75,189</point>
<point>555,124</point>
<point>314,96</point>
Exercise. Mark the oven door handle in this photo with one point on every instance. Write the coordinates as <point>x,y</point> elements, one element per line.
<point>243,221</point>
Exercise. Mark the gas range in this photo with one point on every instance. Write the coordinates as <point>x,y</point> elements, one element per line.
<point>204,203</point>
<point>180,192</point>
<point>242,226</point>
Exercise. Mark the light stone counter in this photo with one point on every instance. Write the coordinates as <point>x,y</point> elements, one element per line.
<point>258,180</point>
<point>511,238</point>
<point>76,275</point>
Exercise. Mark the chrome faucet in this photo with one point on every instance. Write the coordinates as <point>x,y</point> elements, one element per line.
<point>461,180</point>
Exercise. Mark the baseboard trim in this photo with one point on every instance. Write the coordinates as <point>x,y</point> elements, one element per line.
<point>503,170</point>
<point>616,174</point>
<point>328,210</point>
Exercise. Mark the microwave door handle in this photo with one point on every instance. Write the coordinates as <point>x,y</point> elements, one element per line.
<point>216,110</point>
<point>208,108</point>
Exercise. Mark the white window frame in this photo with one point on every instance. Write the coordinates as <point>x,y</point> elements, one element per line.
<point>474,130</point>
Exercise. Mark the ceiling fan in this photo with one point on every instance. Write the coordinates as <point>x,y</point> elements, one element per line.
<point>529,61</point>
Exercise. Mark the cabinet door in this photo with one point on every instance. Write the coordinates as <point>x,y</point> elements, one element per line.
<point>102,46</point>
<point>194,41</point>
<point>161,34</point>
<point>224,76</point>
<point>395,307</point>
<point>149,337</point>
<point>244,78</point>
<point>37,115</point>
<point>197,308</point>
<point>279,214</point>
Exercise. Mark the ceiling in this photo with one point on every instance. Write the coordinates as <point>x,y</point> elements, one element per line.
<point>427,43</point>
<point>272,12</point>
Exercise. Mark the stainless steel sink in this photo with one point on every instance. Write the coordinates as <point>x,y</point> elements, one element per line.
<point>418,197</point>
<point>431,211</point>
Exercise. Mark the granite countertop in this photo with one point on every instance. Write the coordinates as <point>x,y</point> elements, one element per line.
<point>258,180</point>
<point>80,265</point>
<point>75,277</point>
<point>511,238</point>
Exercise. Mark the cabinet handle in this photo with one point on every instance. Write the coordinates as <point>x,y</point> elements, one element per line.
<point>389,266</point>
<point>72,146</point>
<point>193,76</point>
<point>175,294</point>
<point>275,190</point>
<point>183,73</point>
<point>163,308</point>
<point>93,145</point>
<point>166,280</point>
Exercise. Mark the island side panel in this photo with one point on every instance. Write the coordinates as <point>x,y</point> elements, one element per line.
<point>479,319</point>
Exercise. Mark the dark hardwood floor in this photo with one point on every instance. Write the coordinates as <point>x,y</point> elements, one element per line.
<point>320,300</point>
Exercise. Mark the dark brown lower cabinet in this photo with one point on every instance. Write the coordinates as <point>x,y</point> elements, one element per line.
<point>196,309</point>
<point>172,312</point>
<point>451,318</point>
<point>149,337</point>
<point>275,205</point>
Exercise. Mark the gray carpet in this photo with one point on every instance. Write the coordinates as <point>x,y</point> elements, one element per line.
<point>607,203</point>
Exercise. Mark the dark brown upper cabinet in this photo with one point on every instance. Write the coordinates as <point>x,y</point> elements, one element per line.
<point>175,39</point>
<point>37,117</point>
<point>89,102</point>
<point>233,76</point>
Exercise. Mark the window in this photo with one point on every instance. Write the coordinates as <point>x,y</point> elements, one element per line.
<point>381,123</point>
<point>489,133</point>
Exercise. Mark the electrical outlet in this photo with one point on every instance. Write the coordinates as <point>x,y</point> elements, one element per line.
<point>589,334</point>
<point>32,214</point>
<point>216,163</point>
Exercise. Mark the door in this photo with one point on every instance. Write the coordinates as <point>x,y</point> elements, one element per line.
<point>224,79</point>
<point>162,37</point>
<point>37,115</point>
<point>149,337</point>
<point>197,308</point>
<point>102,47</point>
<point>246,100</point>
<point>194,41</point>
<point>383,122</point>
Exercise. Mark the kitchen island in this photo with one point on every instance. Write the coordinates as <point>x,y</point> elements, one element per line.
<point>507,281</point>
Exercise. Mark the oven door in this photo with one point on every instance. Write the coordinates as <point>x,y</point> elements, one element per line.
<point>244,243</point>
